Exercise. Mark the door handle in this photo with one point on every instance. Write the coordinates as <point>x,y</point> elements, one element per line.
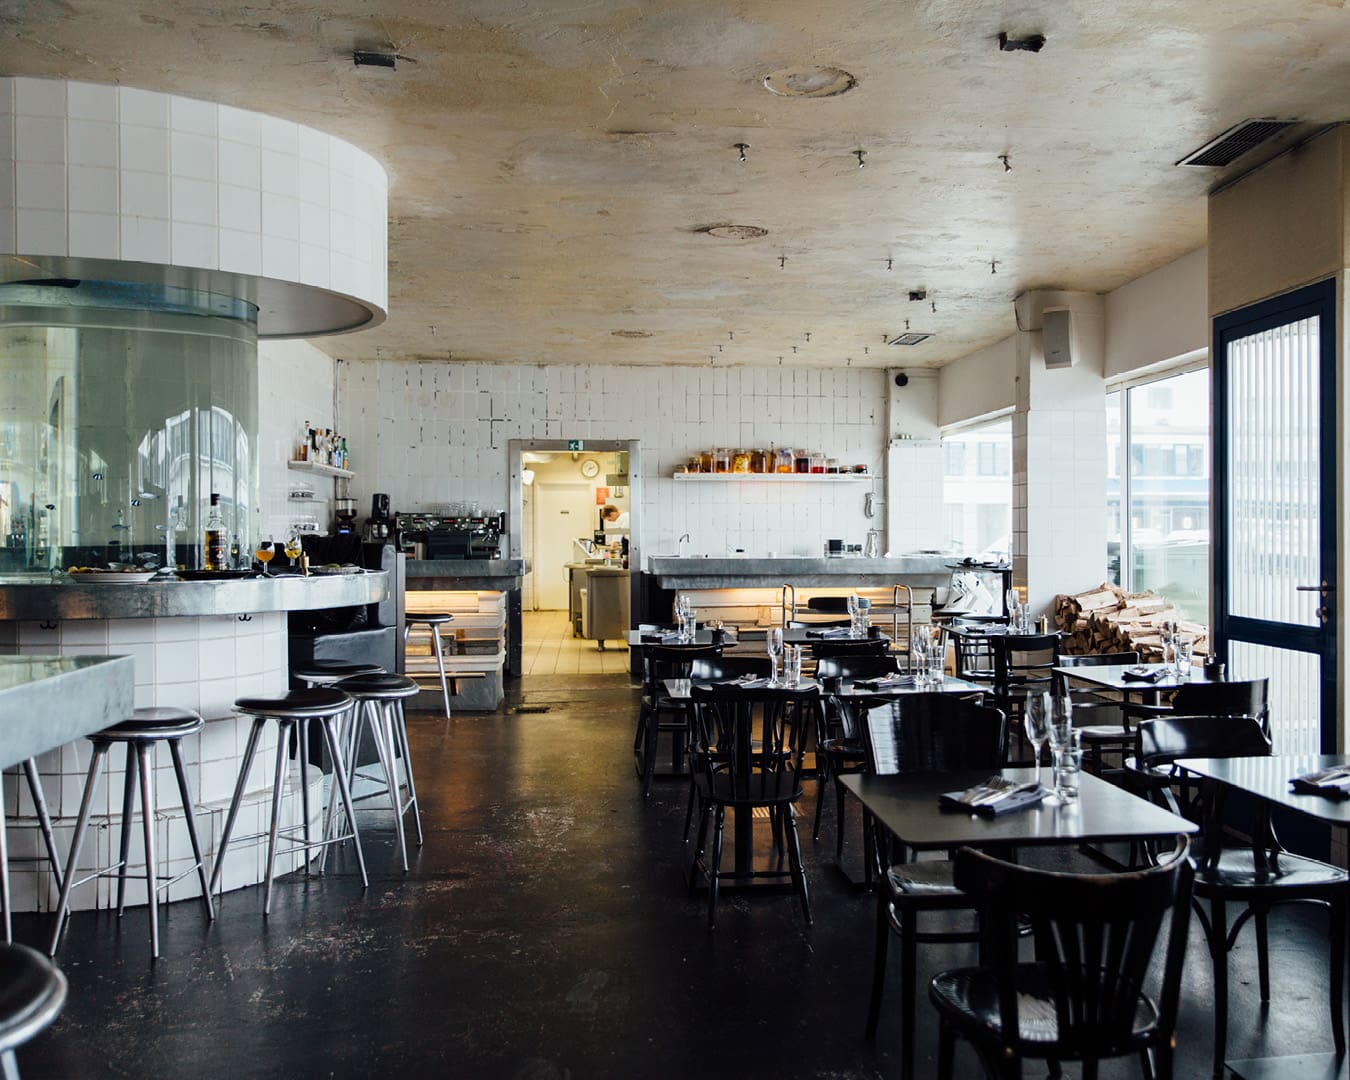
<point>1323,613</point>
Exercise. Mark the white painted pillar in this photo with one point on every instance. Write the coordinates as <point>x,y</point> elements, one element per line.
<point>1059,452</point>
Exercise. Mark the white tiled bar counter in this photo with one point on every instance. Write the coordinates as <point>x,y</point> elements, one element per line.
<point>235,647</point>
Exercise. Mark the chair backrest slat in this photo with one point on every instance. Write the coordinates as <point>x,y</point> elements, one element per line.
<point>931,733</point>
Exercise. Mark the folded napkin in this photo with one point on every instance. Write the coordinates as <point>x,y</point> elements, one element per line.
<point>891,683</point>
<point>831,633</point>
<point>1143,674</point>
<point>993,797</point>
<point>672,638</point>
<point>1333,782</point>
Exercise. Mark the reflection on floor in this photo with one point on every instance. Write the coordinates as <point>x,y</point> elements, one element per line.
<point>545,931</point>
<point>548,648</point>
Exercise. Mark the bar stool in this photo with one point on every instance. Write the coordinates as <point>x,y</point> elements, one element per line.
<point>433,620</point>
<point>292,711</point>
<point>44,823</point>
<point>380,699</point>
<point>140,734</point>
<point>32,992</point>
<point>315,673</point>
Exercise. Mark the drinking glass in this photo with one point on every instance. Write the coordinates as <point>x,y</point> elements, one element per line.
<point>792,664</point>
<point>1061,721</point>
<point>1068,769</point>
<point>689,624</point>
<point>1014,604</point>
<point>1184,648</point>
<point>773,642</point>
<point>294,548</point>
<point>264,553</point>
<point>1038,725</point>
<point>937,659</point>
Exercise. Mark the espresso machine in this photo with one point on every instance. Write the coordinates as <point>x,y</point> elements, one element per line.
<point>378,524</point>
<point>435,536</point>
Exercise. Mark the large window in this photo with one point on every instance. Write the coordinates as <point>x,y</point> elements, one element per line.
<point>977,489</point>
<point>1157,494</point>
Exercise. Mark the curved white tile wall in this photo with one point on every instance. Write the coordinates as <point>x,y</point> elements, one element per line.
<point>111,172</point>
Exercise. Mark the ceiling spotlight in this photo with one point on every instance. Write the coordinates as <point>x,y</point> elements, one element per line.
<point>918,294</point>
<point>366,58</point>
<point>1031,43</point>
<point>742,147</point>
<point>1007,165</point>
<point>860,154</point>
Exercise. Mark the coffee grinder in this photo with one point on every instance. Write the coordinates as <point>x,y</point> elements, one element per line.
<point>344,510</point>
<point>377,525</point>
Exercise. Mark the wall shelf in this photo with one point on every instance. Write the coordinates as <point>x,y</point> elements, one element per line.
<point>776,478</point>
<point>320,470</point>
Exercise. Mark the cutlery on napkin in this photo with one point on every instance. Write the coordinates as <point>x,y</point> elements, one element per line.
<point>1334,781</point>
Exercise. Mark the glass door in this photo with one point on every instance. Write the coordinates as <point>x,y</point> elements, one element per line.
<point>1274,566</point>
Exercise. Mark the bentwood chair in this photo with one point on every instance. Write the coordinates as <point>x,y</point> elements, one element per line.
<point>920,733</point>
<point>746,754</point>
<point>1256,877</point>
<point>658,713</point>
<point>1023,664</point>
<point>1082,998</point>
<point>1237,697</point>
<point>1108,722</point>
<point>840,749</point>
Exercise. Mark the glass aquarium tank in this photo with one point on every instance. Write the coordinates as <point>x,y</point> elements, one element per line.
<point>125,406</point>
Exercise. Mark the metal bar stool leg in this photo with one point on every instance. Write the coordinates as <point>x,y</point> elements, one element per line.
<point>190,817</point>
<point>302,746</point>
<point>143,751</point>
<point>400,719</point>
<point>76,842</point>
<point>440,666</point>
<point>284,729</point>
<point>128,810</point>
<point>340,776</point>
<point>43,816</point>
<point>349,736</point>
<point>250,749</point>
<point>384,747</point>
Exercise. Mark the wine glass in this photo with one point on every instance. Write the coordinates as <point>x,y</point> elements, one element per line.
<point>773,643</point>
<point>918,657</point>
<point>1037,724</point>
<point>264,553</point>
<point>294,549</point>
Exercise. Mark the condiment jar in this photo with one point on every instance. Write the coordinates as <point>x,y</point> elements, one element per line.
<point>722,459</point>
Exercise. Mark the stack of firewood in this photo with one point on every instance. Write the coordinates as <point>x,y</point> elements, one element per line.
<point>1108,619</point>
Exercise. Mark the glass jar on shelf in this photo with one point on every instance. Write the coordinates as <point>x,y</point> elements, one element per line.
<point>782,460</point>
<point>831,465</point>
<point>758,459</point>
<point>705,461</point>
<point>722,459</point>
<point>801,461</point>
<point>818,464</point>
<point>740,461</point>
<point>694,465</point>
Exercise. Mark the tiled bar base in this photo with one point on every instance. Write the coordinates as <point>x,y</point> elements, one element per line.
<point>202,663</point>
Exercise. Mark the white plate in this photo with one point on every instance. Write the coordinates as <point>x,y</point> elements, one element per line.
<point>113,577</point>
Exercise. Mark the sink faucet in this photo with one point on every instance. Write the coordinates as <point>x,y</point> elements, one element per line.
<point>679,545</point>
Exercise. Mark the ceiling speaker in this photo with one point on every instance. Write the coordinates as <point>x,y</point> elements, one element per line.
<point>1057,338</point>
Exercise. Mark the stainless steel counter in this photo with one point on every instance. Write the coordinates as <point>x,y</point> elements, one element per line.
<point>48,701</point>
<point>699,573</point>
<point>41,598</point>
<point>466,573</point>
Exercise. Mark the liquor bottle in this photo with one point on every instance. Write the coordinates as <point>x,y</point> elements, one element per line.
<point>346,458</point>
<point>213,549</point>
<point>302,447</point>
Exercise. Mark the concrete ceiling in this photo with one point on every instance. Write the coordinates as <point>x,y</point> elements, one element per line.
<point>553,162</point>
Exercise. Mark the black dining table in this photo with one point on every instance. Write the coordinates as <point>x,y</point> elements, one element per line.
<point>1267,779</point>
<point>1115,677</point>
<point>680,689</point>
<point>751,639</point>
<point>906,805</point>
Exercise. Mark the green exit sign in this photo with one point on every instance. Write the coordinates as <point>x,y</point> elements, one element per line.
<point>576,444</point>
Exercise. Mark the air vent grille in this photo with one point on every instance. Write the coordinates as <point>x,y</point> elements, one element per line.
<point>909,339</point>
<point>1235,142</point>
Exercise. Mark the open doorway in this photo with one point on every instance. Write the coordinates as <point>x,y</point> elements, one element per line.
<point>560,492</point>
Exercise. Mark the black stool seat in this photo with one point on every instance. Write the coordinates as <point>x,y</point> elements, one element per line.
<point>152,724</point>
<point>297,704</point>
<point>432,618</point>
<point>32,991</point>
<point>330,670</point>
<point>379,686</point>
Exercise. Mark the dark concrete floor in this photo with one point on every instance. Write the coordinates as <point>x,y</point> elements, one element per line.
<point>544,932</point>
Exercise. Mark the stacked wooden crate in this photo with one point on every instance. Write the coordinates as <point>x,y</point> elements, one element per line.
<point>1109,619</point>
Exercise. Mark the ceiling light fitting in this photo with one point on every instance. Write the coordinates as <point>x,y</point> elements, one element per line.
<point>1007,165</point>
<point>366,58</point>
<point>918,294</point>
<point>860,155</point>
<point>742,147</point>
<point>809,82</point>
<point>734,232</point>
<point>909,339</point>
<point>1031,43</point>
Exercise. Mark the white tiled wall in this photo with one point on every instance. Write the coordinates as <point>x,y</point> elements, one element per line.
<point>119,173</point>
<point>202,664</point>
<point>429,433</point>
<point>295,384</point>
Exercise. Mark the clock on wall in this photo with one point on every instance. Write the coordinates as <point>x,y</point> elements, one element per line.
<point>590,468</point>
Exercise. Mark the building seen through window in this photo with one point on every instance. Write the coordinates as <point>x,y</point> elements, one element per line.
<point>977,490</point>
